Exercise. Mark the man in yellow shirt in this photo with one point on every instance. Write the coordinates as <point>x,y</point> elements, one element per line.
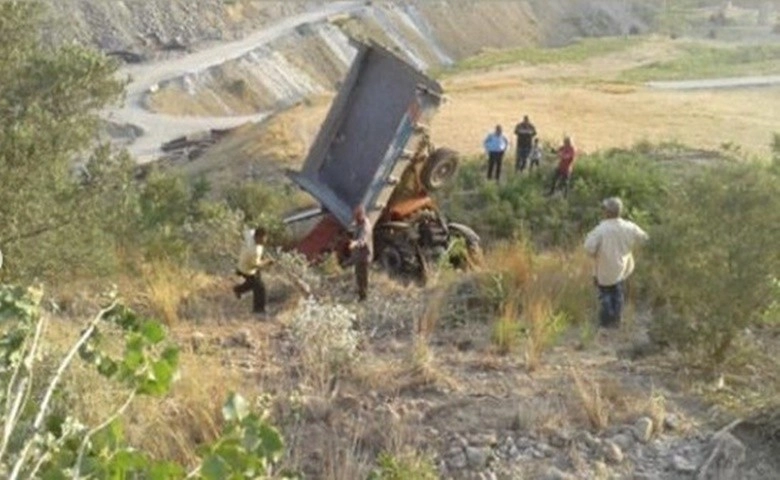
<point>250,261</point>
<point>610,244</point>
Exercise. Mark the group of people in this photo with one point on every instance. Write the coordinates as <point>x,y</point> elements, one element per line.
<point>528,153</point>
<point>610,244</point>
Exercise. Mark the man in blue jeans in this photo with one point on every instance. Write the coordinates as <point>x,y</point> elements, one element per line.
<point>611,244</point>
<point>495,145</point>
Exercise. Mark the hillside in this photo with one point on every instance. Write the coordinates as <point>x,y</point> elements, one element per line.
<point>490,369</point>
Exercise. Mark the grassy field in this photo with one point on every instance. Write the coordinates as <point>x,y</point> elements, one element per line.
<point>574,53</point>
<point>698,60</point>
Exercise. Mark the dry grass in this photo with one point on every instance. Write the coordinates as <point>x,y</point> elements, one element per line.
<point>510,268</point>
<point>167,285</point>
<point>190,415</point>
<point>591,401</point>
<point>543,327</point>
<point>507,332</point>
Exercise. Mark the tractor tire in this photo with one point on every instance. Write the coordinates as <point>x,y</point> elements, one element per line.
<point>391,259</point>
<point>440,166</point>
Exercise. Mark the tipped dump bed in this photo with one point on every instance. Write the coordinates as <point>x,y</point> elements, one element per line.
<point>375,122</point>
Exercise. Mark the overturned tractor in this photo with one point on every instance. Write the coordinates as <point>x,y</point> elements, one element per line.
<point>374,150</point>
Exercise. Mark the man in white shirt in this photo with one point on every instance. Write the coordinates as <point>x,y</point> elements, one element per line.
<point>610,244</point>
<point>250,261</point>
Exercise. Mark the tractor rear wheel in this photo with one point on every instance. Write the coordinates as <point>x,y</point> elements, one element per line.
<point>440,166</point>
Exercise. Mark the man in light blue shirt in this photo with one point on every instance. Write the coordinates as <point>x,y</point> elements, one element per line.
<point>495,146</point>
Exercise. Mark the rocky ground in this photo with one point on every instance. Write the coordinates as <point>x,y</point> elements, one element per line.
<point>606,408</point>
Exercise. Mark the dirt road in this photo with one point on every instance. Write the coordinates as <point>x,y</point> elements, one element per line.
<point>143,78</point>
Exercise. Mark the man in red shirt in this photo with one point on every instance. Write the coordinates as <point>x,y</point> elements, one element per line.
<point>562,175</point>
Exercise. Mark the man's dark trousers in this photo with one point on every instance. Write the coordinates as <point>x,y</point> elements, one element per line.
<point>361,272</point>
<point>256,285</point>
<point>494,164</point>
<point>562,178</point>
<point>521,158</point>
<point>611,303</point>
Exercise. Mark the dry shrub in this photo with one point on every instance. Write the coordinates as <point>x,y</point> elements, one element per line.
<point>326,341</point>
<point>591,401</point>
<point>420,370</point>
<point>514,262</point>
<point>166,286</point>
<point>507,331</point>
<point>511,270</point>
<point>565,279</point>
<point>426,323</point>
<point>543,328</point>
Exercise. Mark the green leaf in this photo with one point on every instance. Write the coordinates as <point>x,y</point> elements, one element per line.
<point>272,441</point>
<point>107,367</point>
<point>165,471</point>
<point>236,408</point>
<point>134,359</point>
<point>171,355</point>
<point>153,332</point>
<point>163,372</point>
<point>214,468</point>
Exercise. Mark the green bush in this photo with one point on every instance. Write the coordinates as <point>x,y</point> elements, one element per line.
<point>408,466</point>
<point>519,207</point>
<point>261,205</point>
<point>713,258</point>
<point>43,442</point>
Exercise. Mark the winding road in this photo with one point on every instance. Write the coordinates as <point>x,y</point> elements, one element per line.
<point>158,128</point>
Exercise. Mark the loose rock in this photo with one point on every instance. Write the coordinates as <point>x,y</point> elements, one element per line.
<point>553,473</point>
<point>612,452</point>
<point>643,429</point>
<point>682,464</point>
<point>477,457</point>
<point>726,454</point>
<point>624,440</point>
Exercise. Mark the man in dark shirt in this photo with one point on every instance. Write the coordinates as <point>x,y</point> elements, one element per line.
<point>525,132</point>
<point>362,247</point>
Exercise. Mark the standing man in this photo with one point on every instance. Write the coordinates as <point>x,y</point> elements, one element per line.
<point>610,244</point>
<point>566,157</point>
<point>525,133</point>
<point>250,261</point>
<point>362,247</point>
<point>495,146</point>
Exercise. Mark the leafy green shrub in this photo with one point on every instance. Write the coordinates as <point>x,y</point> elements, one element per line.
<point>41,442</point>
<point>261,205</point>
<point>519,207</point>
<point>713,255</point>
<point>408,466</point>
<point>52,217</point>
